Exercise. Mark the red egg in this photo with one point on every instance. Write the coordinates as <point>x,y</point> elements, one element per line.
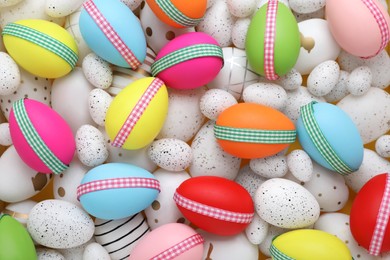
<point>215,204</point>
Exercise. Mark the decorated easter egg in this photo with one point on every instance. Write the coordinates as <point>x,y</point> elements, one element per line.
<point>43,48</point>
<point>362,30</point>
<point>273,42</point>
<point>117,190</point>
<point>215,204</point>
<point>41,137</point>
<point>307,244</point>
<point>176,62</point>
<point>104,25</point>
<point>137,113</point>
<point>177,13</point>
<point>179,242</point>
<point>370,215</point>
<point>249,130</point>
<point>15,242</point>
<point>329,136</point>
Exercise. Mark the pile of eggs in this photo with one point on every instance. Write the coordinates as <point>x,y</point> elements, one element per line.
<point>209,129</point>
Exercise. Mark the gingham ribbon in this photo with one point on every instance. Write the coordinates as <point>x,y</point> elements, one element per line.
<point>184,54</point>
<point>257,136</point>
<point>213,212</point>
<point>278,255</point>
<point>117,183</point>
<point>34,140</point>
<point>382,221</point>
<point>320,142</point>
<point>180,248</point>
<point>176,15</point>
<point>381,21</point>
<point>269,40</point>
<point>137,112</point>
<point>43,40</point>
<point>111,34</point>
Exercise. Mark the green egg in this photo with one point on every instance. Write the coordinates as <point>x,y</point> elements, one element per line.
<point>15,241</point>
<point>287,40</point>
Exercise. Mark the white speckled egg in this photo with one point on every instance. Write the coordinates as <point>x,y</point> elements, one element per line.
<point>242,8</point>
<point>59,224</point>
<point>292,80</point>
<point>323,78</point>
<point>95,251</point>
<point>90,146</point>
<point>218,23</point>
<point>97,71</point>
<point>214,101</point>
<point>5,135</point>
<point>382,146</point>
<point>249,180</point>
<point>75,253</point>
<point>239,31</point>
<point>340,90</point>
<point>208,158</point>
<point>371,166</point>
<point>164,210</point>
<point>286,204</point>
<point>257,230</point>
<point>132,4</point>
<point>359,81</point>
<point>184,117</point>
<point>99,101</point>
<point>319,14</point>
<point>300,165</point>
<point>9,75</point>
<point>369,112</point>
<point>58,8</point>
<point>49,254</point>
<point>273,231</point>
<point>270,167</point>
<point>337,224</point>
<point>306,6</point>
<point>20,210</point>
<point>268,94</point>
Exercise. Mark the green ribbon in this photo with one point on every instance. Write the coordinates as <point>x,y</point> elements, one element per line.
<point>176,15</point>
<point>278,255</point>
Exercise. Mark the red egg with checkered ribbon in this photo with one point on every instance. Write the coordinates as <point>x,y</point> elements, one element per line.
<point>370,215</point>
<point>215,204</point>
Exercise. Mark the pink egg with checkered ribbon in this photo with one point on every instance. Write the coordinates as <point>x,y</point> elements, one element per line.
<point>170,241</point>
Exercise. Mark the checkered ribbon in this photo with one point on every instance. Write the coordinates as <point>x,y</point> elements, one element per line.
<point>381,21</point>
<point>269,40</point>
<point>137,112</point>
<point>257,136</point>
<point>184,54</point>
<point>117,183</point>
<point>111,34</point>
<point>382,221</point>
<point>43,40</point>
<point>176,15</point>
<point>180,248</point>
<point>278,255</point>
<point>212,212</point>
<point>320,142</point>
<point>34,140</point>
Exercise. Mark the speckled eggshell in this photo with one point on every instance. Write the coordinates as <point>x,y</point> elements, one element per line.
<point>208,158</point>
<point>323,78</point>
<point>286,204</point>
<point>382,146</point>
<point>239,30</point>
<point>9,75</point>
<point>270,167</point>
<point>91,146</point>
<point>250,180</point>
<point>20,210</point>
<point>359,81</point>
<point>49,254</point>
<point>305,6</point>
<point>132,4</point>
<point>214,101</point>
<point>243,8</point>
<point>56,8</point>
<point>300,165</point>
<point>267,94</point>
<point>95,251</point>
<point>291,81</point>
<point>257,230</point>
<point>99,101</point>
<point>59,224</point>
<point>75,253</point>
<point>5,135</point>
<point>171,154</point>
<point>340,90</point>
<point>164,210</point>
<point>320,14</point>
<point>97,71</point>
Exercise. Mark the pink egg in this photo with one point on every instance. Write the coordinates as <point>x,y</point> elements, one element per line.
<point>189,61</point>
<point>170,241</point>
<point>42,138</point>
<point>360,27</point>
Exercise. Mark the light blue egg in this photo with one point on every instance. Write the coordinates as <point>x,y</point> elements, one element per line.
<point>121,202</point>
<point>340,132</point>
<point>125,24</point>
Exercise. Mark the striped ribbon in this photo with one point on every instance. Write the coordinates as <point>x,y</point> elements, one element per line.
<point>257,136</point>
<point>382,221</point>
<point>176,15</point>
<point>269,40</point>
<point>35,141</point>
<point>278,255</point>
<point>137,112</point>
<point>178,249</point>
<point>43,40</point>
<point>111,34</point>
<point>184,54</point>
<point>117,183</point>
<point>320,141</point>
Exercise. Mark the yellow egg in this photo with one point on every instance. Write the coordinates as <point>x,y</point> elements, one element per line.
<point>43,48</point>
